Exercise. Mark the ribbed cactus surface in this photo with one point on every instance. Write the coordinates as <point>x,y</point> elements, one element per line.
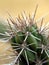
<point>30,43</point>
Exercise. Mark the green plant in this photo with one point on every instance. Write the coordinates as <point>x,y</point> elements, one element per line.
<point>30,43</point>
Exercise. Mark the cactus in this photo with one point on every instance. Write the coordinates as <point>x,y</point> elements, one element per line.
<point>30,43</point>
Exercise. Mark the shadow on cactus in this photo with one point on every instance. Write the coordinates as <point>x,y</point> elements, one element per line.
<point>30,43</point>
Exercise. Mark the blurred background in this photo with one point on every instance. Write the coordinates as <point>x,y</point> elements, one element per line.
<point>15,7</point>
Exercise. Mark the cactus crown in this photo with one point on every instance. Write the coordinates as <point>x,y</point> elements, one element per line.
<point>30,43</point>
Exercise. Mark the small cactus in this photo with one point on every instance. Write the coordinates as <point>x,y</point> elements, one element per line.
<point>30,43</point>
